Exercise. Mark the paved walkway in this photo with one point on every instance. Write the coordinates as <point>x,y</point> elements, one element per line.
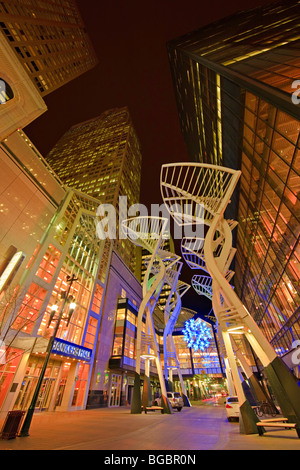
<point>194,428</point>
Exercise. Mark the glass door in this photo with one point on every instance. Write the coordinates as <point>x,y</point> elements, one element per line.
<point>44,398</point>
<point>25,393</point>
<point>115,393</point>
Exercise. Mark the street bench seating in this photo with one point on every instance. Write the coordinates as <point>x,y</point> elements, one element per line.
<point>153,408</point>
<point>276,423</point>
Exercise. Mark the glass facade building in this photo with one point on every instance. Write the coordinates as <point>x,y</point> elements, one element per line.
<point>235,83</point>
<point>49,39</point>
<point>102,158</point>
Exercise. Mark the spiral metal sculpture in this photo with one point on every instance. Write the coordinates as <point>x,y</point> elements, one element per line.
<point>171,312</point>
<point>148,233</point>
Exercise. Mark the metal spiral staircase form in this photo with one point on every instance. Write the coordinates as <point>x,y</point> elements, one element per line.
<point>171,312</point>
<point>193,253</point>
<point>206,191</point>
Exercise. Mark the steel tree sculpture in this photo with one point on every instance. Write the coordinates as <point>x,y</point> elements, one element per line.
<point>171,313</point>
<point>148,233</point>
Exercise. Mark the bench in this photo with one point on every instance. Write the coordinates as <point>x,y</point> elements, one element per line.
<point>153,408</point>
<point>276,423</point>
<point>275,420</point>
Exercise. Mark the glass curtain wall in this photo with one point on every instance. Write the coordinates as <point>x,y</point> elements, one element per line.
<point>267,261</point>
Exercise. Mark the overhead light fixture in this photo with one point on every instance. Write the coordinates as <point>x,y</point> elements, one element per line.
<point>235,330</point>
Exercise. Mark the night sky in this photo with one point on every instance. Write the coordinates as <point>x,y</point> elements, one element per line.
<point>130,38</point>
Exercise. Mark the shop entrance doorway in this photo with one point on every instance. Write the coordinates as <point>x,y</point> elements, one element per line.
<point>115,392</point>
<point>27,390</point>
<point>43,401</point>
<point>30,381</point>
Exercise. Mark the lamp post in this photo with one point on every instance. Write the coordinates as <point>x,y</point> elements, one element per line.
<point>27,421</point>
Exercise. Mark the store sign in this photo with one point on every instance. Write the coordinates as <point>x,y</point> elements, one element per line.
<point>71,350</point>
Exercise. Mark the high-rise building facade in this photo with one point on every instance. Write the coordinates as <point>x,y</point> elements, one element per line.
<point>49,39</point>
<point>47,236</point>
<point>20,102</point>
<point>236,86</point>
<point>102,158</point>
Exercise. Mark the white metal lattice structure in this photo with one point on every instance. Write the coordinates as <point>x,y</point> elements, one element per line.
<point>202,189</point>
<point>206,191</point>
<point>192,250</point>
<point>194,193</point>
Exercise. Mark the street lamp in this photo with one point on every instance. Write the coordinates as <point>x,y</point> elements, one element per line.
<point>71,310</point>
<point>27,421</point>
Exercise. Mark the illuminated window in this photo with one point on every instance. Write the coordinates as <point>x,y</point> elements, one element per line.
<point>30,309</point>
<point>123,294</point>
<point>49,263</point>
<point>96,304</point>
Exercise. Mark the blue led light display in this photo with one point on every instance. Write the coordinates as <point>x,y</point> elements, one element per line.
<point>197,334</point>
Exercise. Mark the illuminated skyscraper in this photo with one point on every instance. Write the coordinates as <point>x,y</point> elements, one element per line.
<point>102,158</point>
<point>49,39</point>
<point>236,91</point>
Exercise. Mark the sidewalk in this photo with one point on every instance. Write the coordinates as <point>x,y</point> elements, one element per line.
<point>194,428</point>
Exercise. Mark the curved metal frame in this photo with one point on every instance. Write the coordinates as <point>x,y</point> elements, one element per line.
<point>171,313</point>
<point>148,233</point>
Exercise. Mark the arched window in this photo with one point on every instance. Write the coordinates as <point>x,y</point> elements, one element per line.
<point>6,92</point>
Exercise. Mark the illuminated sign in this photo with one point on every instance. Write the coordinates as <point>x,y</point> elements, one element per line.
<point>71,350</point>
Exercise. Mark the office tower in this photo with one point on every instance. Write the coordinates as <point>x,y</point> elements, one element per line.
<point>49,39</point>
<point>236,88</point>
<point>20,101</point>
<point>102,158</point>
